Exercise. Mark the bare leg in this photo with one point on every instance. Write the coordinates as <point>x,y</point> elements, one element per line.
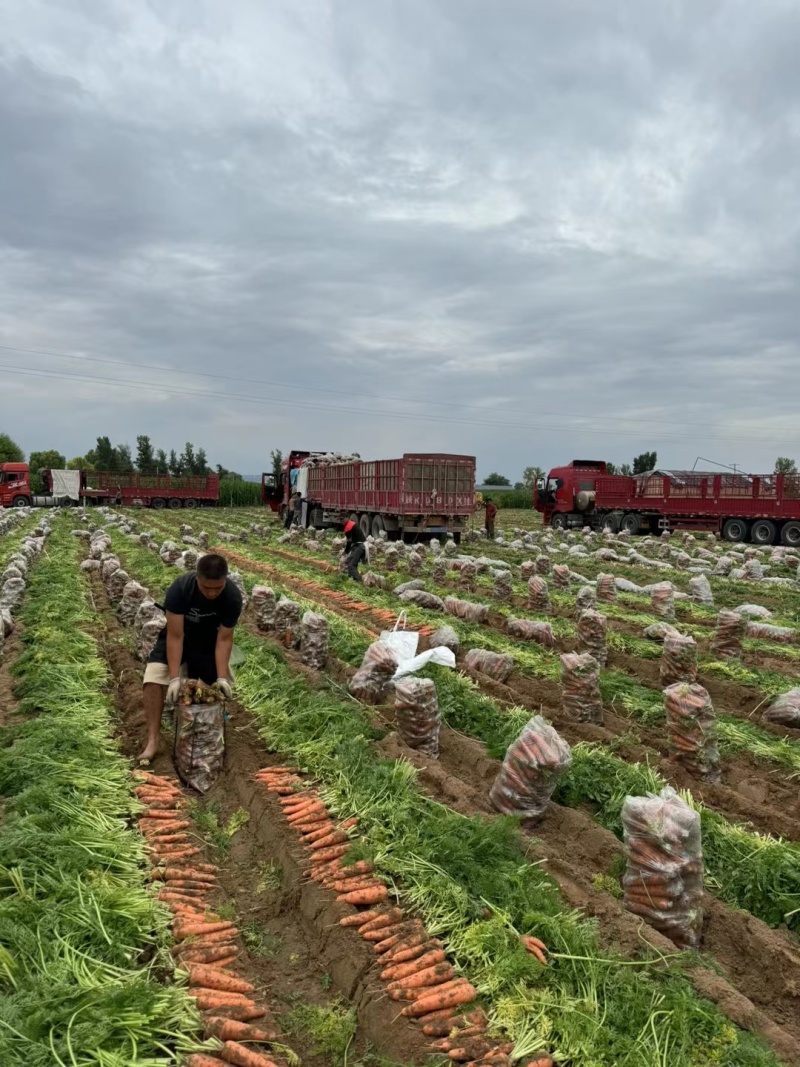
<point>153,700</point>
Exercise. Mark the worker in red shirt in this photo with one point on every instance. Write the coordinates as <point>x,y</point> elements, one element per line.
<point>355,549</point>
<point>491,513</point>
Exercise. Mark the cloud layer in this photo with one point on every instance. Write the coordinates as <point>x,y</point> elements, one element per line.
<point>523,230</point>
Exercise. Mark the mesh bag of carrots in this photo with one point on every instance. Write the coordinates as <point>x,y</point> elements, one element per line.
<point>663,881</point>
<point>287,622</point>
<point>606,588</point>
<point>784,709</point>
<point>467,576</point>
<point>373,678</point>
<point>678,660</point>
<point>503,586</point>
<point>544,564</point>
<point>580,687</point>
<point>530,771</point>
<point>496,665</point>
<point>662,599</point>
<point>784,635</point>
<point>417,714</point>
<point>264,604</point>
<point>692,727</point>
<point>199,744</point>
<point>586,598</point>
<point>592,629</point>
<point>727,641</point>
<point>561,576</point>
<point>314,641</point>
<point>530,630</point>
<point>466,610</point>
<point>538,594</point>
<point>445,637</point>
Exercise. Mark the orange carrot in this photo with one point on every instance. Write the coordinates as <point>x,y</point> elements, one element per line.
<point>176,854</point>
<point>365,896</point>
<point>438,974</point>
<point>240,1056</point>
<point>349,885</point>
<point>310,819</point>
<point>360,867</point>
<point>217,938</point>
<point>220,1002</point>
<point>459,993</point>
<point>532,945</point>
<point>382,932</point>
<point>219,955</point>
<point>196,929</point>
<point>157,813</point>
<point>406,952</point>
<point>189,872</point>
<point>222,995</point>
<point>212,978</point>
<point>543,1061</point>
<point>241,1012</point>
<point>403,932</point>
<point>399,971</point>
<point>319,835</point>
<point>200,1059</point>
<point>360,918</point>
<point>230,1030</point>
<point>332,853</point>
<point>383,918</point>
<point>306,809</point>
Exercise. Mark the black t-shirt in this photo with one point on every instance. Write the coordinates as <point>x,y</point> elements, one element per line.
<point>202,619</point>
<point>354,537</point>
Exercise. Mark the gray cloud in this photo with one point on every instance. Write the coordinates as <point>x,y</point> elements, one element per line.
<point>518,229</point>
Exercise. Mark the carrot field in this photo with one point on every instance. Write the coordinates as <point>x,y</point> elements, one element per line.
<point>338,897</point>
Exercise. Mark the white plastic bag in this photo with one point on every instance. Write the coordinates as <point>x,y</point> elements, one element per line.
<point>402,642</point>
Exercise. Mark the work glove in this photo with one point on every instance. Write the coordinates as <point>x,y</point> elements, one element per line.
<point>225,688</point>
<point>173,690</point>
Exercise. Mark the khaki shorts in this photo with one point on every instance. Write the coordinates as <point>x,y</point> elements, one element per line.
<point>158,674</point>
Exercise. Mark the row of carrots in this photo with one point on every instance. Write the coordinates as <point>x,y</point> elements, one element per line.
<point>205,946</point>
<point>413,964</point>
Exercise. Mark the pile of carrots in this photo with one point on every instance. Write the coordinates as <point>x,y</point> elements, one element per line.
<point>205,944</point>
<point>413,964</point>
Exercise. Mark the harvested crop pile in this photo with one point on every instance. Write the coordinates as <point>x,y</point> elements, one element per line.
<point>314,640</point>
<point>530,630</point>
<point>580,687</point>
<point>692,727</point>
<point>417,714</point>
<point>538,594</point>
<point>372,679</point>
<point>663,880</point>
<point>785,709</point>
<point>678,660</point>
<point>466,609</point>
<point>606,588</point>
<point>287,622</point>
<point>496,665</point>
<point>264,604</point>
<point>662,598</point>
<point>728,637</point>
<point>530,771</point>
<point>592,631</point>
<point>445,637</point>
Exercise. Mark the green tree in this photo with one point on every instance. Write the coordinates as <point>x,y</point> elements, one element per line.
<point>201,462</point>
<point>42,461</point>
<point>161,461</point>
<point>495,479</point>
<point>80,463</point>
<point>785,465</point>
<point>145,458</point>
<point>277,462</point>
<point>530,476</point>
<point>626,470</point>
<point>645,462</point>
<point>187,459</point>
<point>174,462</point>
<point>10,452</point>
<point>103,456</point>
<point>123,458</point>
<point>612,468</point>
<point>223,472</point>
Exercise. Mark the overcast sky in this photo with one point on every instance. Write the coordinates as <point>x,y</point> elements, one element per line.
<point>525,229</point>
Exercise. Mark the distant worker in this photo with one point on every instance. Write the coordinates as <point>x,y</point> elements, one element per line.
<point>491,514</point>
<point>290,510</point>
<point>202,609</point>
<point>355,549</point>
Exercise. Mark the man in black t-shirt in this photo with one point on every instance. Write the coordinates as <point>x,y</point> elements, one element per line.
<point>202,609</point>
<point>355,549</point>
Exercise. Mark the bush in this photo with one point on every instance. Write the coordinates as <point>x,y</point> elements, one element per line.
<point>235,493</point>
<point>516,498</point>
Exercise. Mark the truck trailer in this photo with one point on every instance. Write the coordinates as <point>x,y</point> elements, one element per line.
<point>760,508</point>
<point>422,493</point>
<point>66,488</point>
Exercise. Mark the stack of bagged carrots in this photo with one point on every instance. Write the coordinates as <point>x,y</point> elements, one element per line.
<point>206,945</point>
<point>413,964</point>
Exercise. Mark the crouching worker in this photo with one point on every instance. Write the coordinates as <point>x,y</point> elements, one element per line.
<point>202,608</point>
<point>355,549</point>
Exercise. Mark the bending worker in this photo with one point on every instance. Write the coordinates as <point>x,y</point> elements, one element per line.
<point>491,515</point>
<point>202,609</point>
<point>355,549</point>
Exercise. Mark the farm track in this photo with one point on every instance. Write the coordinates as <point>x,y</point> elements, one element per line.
<point>754,792</point>
<point>292,947</point>
<point>452,781</point>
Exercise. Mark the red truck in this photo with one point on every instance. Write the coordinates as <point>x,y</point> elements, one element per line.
<point>420,494</point>
<point>761,508</point>
<point>106,487</point>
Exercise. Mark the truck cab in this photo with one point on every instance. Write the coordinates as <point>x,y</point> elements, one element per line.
<point>567,494</point>
<point>15,489</point>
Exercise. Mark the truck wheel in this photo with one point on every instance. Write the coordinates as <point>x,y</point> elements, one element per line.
<point>790,534</point>
<point>378,526</point>
<point>763,532</point>
<point>734,530</point>
<point>21,502</point>
<point>631,523</point>
<point>610,523</point>
<point>174,503</point>
<point>365,524</point>
<point>190,503</point>
<point>158,503</point>
<point>559,521</point>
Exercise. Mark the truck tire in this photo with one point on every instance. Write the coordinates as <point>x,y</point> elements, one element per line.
<point>365,524</point>
<point>610,523</point>
<point>734,530</point>
<point>21,501</point>
<point>378,526</point>
<point>790,534</point>
<point>190,503</point>
<point>631,523</point>
<point>559,521</point>
<point>158,503</point>
<point>763,532</point>
<point>173,503</point>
